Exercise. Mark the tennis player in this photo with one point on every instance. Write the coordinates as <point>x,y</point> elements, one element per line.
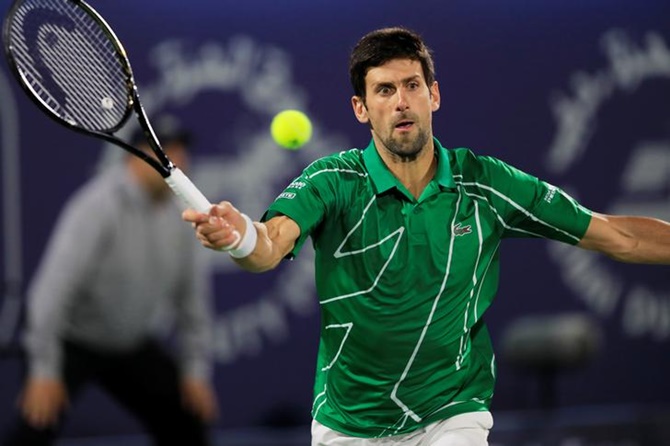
<point>407,237</point>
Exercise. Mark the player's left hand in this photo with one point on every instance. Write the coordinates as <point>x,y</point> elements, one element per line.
<point>199,397</point>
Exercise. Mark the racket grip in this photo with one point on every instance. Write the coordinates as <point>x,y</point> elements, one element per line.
<point>186,190</point>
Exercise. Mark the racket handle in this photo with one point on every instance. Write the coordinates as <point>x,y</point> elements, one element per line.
<point>191,195</point>
<point>186,190</point>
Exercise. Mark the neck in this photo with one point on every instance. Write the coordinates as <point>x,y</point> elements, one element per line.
<point>415,174</point>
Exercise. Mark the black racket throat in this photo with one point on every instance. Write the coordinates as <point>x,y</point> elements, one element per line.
<point>161,163</point>
<point>165,170</point>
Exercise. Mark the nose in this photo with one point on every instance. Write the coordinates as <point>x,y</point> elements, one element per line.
<point>402,103</point>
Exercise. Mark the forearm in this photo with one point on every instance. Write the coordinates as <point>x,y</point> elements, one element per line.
<point>195,318</point>
<point>44,356</point>
<point>226,228</point>
<point>195,348</point>
<point>629,239</point>
<point>43,332</point>
<point>49,297</point>
<point>268,252</point>
<point>64,271</point>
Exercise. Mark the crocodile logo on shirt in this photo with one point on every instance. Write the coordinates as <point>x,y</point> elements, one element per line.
<point>462,230</point>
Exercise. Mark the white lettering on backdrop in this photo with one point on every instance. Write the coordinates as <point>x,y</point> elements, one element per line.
<point>643,186</point>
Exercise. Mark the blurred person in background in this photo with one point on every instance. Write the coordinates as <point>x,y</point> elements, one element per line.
<point>119,264</point>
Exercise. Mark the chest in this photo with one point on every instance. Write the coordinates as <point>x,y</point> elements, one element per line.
<point>399,243</point>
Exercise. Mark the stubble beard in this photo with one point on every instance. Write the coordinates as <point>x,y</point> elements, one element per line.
<point>406,149</point>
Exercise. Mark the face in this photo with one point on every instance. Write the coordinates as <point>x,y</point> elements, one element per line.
<point>398,106</point>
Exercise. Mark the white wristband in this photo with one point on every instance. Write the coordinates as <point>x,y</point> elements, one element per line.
<point>248,243</point>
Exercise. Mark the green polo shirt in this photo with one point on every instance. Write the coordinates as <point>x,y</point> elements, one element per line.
<point>403,283</point>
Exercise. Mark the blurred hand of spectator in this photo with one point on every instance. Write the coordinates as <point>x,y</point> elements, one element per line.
<point>42,401</point>
<point>199,397</point>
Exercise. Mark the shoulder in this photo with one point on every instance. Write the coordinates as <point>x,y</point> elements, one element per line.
<point>338,162</point>
<point>465,163</point>
<point>470,166</point>
<point>345,164</point>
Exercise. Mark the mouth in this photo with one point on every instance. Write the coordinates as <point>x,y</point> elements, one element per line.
<point>404,125</point>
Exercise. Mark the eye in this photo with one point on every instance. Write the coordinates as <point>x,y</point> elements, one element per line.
<point>385,90</point>
<point>413,85</point>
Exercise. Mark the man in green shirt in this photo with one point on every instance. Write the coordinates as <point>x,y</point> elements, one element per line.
<point>407,236</point>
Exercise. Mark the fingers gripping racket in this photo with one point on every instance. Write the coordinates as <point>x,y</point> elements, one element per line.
<point>72,65</point>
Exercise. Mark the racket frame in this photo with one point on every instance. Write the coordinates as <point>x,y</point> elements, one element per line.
<point>163,165</point>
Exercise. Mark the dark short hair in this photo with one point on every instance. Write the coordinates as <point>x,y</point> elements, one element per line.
<point>382,45</point>
<point>168,129</point>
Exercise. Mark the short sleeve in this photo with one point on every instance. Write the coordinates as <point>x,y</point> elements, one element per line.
<point>530,207</point>
<point>306,200</point>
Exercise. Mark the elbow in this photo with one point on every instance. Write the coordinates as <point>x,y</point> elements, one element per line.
<point>253,266</point>
<point>258,269</point>
<point>623,251</point>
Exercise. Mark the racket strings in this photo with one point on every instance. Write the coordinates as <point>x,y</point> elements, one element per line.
<point>69,61</point>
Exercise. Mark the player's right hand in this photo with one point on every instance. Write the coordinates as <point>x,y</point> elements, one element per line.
<point>220,229</point>
<point>42,401</point>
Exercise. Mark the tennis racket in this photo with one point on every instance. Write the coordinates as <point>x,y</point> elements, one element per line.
<point>71,64</point>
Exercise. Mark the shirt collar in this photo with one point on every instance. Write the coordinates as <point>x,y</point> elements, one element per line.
<point>383,179</point>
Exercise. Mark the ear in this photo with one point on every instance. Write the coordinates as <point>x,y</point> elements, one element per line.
<point>360,110</point>
<point>435,96</point>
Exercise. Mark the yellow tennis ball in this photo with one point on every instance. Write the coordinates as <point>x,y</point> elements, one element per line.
<point>291,129</point>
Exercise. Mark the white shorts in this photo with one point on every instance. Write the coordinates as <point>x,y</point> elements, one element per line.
<point>468,429</point>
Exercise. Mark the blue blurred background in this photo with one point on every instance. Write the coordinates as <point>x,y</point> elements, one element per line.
<point>575,92</point>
